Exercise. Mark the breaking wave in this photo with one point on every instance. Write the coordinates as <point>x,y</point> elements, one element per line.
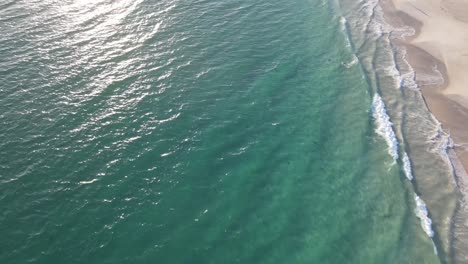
<point>423,215</point>
<point>407,167</point>
<point>384,126</point>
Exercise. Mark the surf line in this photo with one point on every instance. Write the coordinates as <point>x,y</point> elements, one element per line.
<point>384,128</point>
<point>421,210</point>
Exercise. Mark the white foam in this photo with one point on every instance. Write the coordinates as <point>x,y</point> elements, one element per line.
<point>442,144</point>
<point>376,24</point>
<point>438,76</point>
<point>348,42</point>
<point>343,22</point>
<point>384,126</point>
<point>407,167</point>
<point>435,248</point>
<point>441,140</point>
<point>350,64</point>
<point>367,8</point>
<point>88,182</point>
<point>409,79</point>
<point>403,32</point>
<point>422,213</point>
<point>394,73</point>
<point>435,77</point>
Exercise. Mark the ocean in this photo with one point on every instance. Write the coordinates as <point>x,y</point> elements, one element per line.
<point>233,131</point>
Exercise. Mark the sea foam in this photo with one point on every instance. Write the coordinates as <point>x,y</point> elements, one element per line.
<point>408,77</point>
<point>422,213</point>
<point>393,72</point>
<point>407,167</point>
<point>384,125</point>
<point>350,64</point>
<point>343,27</point>
<point>343,22</point>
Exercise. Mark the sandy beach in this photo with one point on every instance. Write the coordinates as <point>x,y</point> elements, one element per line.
<point>438,52</point>
<point>442,33</point>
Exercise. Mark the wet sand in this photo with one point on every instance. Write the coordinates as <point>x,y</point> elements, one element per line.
<point>438,53</point>
<point>441,44</point>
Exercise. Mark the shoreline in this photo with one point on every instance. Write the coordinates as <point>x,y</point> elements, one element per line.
<point>448,101</point>
<point>436,54</point>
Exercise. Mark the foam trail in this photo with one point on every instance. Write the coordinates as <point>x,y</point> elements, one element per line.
<point>442,142</point>
<point>343,28</point>
<point>350,64</point>
<point>394,73</point>
<point>422,213</point>
<point>409,77</point>
<point>384,125</point>
<point>435,248</point>
<point>407,167</point>
<point>343,22</point>
<point>409,80</point>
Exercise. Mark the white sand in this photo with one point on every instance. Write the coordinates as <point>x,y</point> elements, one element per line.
<point>444,34</point>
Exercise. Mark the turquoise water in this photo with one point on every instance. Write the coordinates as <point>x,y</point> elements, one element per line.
<point>193,132</point>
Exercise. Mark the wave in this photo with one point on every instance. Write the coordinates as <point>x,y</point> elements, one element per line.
<point>392,63</point>
<point>350,64</point>
<point>409,77</point>
<point>409,80</point>
<point>393,72</point>
<point>343,22</point>
<point>87,182</point>
<point>422,214</point>
<point>407,167</point>
<point>344,29</point>
<point>384,126</point>
<point>433,77</point>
